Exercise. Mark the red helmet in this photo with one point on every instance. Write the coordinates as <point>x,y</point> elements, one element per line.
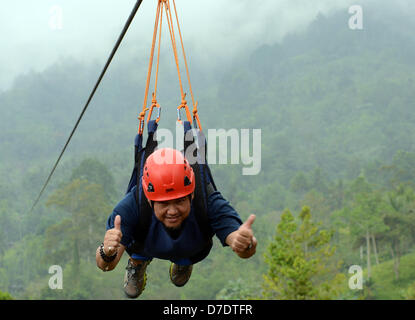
<point>167,175</point>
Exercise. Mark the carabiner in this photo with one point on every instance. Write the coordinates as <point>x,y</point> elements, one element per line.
<point>154,104</point>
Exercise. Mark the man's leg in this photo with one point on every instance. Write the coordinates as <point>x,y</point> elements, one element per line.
<point>135,275</point>
<point>180,272</point>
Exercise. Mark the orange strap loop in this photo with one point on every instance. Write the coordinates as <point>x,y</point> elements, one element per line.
<point>196,116</point>
<point>154,104</point>
<point>183,105</point>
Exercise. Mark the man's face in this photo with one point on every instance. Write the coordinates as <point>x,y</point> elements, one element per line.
<point>173,212</point>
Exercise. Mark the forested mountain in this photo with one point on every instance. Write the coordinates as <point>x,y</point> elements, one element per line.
<point>336,111</point>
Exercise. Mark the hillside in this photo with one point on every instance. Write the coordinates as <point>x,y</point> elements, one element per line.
<point>384,286</point>
<point>333,105</point>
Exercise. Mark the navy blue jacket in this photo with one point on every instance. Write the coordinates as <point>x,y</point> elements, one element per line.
<point>159,244</point>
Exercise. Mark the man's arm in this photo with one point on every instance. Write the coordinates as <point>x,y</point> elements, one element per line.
<point>108,266</point>
<point>243,241</point>
<point>112,246</point>
<point>228,226</point>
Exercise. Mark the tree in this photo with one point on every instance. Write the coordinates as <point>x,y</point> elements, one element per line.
<point>236,290</point>
<point>400,220</point>
<point>403,168</point>
<point>409,293</point>
<point>318,180</point>
<point>299,183</point>
<point>94,171</point>
<point>363,215</point>
<point>10,231</point>
<point>76,236</point>
<point>300,261</point>
<point>317,202</point>
<point>336,196</point>
<point>5,296</point>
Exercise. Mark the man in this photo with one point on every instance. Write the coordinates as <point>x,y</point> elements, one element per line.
<point>174,232</point>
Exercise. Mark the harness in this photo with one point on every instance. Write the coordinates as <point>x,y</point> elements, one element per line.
<point>204,186</point>
<point>204,180</point>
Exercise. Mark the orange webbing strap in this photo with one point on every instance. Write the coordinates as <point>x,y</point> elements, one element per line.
<point>195,114</point>
<point>165,4</point>
<point>173,41</point>
<point>154,103</point>
<point>158,53</point>
<point>150,67</point>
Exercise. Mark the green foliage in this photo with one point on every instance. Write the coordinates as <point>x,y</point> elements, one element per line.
<point>236,290</point>
<point>299,183</point>
<point>95,172</point>
<point>24,262</point>
<point>400,220</point>
<point>80,282</point>
<point>5,296</point>
<point>332,105</point>
<point>365,209</point>
<point>409,294</point>
<point>79,234</point>
<point>299,260</point>
<point>401,169</point>
<point>384,285</point>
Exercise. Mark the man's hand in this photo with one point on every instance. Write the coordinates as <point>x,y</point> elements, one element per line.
<point>242,241</point>
<point>112,239</point>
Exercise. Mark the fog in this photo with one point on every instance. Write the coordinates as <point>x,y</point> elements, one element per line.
<point>217,31</point>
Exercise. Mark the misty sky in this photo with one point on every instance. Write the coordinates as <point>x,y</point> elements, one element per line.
<point>215,29</point>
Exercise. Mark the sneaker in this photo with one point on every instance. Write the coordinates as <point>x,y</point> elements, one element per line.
<point>135,279</point>
<point>179,275</point>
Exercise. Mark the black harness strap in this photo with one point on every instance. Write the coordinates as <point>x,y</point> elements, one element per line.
<point>200,202</point>
<point>144,209</point>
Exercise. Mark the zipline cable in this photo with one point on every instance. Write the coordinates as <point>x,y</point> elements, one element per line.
<point>114,50</point>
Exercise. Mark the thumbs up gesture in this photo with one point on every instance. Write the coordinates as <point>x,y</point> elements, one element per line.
<point>113,238</point>
<point>242,241</point>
